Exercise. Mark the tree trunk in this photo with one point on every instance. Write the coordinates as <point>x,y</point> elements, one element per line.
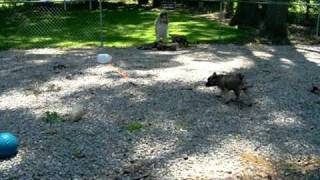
<point>276,21</point>
<point>156,3</point>
<point>308,10</point>
<point>142,2</point>
<point>247,15</point>
<point>307,21</point>
<point>229,9</point>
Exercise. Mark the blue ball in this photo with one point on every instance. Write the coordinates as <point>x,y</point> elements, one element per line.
<point>8,145</point>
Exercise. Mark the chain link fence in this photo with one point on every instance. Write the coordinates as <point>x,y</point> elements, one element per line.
<point>45,24</point>
<point>65,23</point>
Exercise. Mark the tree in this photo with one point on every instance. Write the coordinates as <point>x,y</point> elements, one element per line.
<point>247,14</point>
<point>142,2</point>
<point>156,3</point>
<point>307,20</point>
<point>272,16</point>
<point>229,9</point>
<point>275,22</point>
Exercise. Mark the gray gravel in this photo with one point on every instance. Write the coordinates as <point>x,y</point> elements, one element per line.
<point>187,131</point>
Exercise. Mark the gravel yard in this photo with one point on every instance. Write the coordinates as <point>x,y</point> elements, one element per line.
<point>168,125</point>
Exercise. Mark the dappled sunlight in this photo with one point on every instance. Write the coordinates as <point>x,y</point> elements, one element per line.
<point>287,61</point>
<point>37,104</point>
<point>262,54</point>
<point>212,16</point>
<point>40,39</point>
<point>73,44</point>
<point>186,130</point>
<point>225,53</point>
<point>45,51</point>
<point>38,97</point>
<point>311,53</point>
<point>15,161</point>
<point>237,157</point>
<point>221,161</point>
<point>286,120</point>
<point>98,70</point>
<point>203,64</point>
<point>125,27</point>
<point>180,52</point>
<point>38,62</point>
<point>257,165</point>
<point>153,149</point>
<point>14,97</point>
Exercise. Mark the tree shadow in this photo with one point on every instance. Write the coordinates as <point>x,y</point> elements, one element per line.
<point>27,69</point>
<point>182,120</point>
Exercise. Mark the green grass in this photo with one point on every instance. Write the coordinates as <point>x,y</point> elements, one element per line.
<point>122,28</point>
<point>134,127</point>
<point>52,117</point>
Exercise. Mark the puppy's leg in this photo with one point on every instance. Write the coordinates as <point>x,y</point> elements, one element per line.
<point>237,93</point>
<point>227,98</point>
<point>249,101</point>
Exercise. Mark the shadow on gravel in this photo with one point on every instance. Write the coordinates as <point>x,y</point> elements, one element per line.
<point>28,68</point>
<point>179,121</point>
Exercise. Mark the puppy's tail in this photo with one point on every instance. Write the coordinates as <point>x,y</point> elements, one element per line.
<point>246,87</point>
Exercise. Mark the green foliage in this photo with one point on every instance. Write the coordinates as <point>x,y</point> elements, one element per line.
<point>52,117</point>
<point>134,127</point>
<point>180,126</point>
<point>77,153</point>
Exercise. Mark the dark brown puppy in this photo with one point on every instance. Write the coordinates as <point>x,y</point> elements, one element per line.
<point>181,40</point>
<point>234,82</point>
<point>166,47</point>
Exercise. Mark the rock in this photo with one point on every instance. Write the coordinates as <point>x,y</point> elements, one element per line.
<point>76,114</point>
<point>51,131</point>
<point>185,157</point>
<point>69,76</point>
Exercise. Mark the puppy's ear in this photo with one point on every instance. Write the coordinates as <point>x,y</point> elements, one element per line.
<point>214,74</point>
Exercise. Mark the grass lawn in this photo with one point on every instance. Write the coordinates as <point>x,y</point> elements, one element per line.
<point>121,28</point>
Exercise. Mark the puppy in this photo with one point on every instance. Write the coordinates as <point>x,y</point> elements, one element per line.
<point>234,82</point>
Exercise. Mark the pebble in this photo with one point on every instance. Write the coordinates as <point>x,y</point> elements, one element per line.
<point>185,156</point>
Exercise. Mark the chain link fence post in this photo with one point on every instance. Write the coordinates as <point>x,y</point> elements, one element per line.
<point>318,19</point>
<point>101,23</point>
<point>317,30</point>
<point>221,19</point>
